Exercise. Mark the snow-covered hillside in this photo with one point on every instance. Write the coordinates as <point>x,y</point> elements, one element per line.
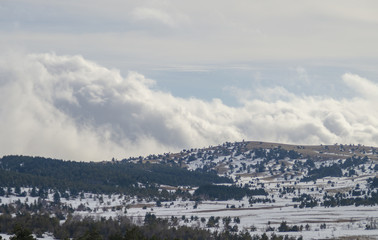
<point>310,191</point>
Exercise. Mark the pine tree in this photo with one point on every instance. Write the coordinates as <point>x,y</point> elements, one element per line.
<point>22,234</point>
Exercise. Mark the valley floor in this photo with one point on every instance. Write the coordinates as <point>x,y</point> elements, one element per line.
<point>316,223</point>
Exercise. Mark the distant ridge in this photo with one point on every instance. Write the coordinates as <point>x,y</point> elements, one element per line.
<point>317,152</point>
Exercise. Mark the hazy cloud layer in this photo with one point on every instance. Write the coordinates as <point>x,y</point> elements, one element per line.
<point>186,32</point>
<point>71,108</point>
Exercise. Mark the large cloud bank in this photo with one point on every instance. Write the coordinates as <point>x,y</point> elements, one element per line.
<point>68,107</point>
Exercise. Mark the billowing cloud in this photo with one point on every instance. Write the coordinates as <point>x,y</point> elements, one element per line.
<point>72,108</point>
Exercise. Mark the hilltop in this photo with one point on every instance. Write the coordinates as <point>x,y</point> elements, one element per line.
<point>252,159</point>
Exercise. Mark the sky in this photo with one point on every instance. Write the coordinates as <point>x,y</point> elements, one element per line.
<point>92,80</point>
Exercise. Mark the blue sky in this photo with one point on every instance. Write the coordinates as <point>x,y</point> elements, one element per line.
<point>197,60</point>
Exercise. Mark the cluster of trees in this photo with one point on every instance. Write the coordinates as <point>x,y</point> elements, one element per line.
<point>306,201</point>
<point>253,200</point>
<point>355,197</point>
<point>335,170</point>
<point>105,177</point>
<point>286,228</point>
<point>275,153</point>
<point>373,182</point>
<point>222,192</point>
<point>354,161</point>
<point>323,171</point>
<point>339,199</point>
<point>21,233</point>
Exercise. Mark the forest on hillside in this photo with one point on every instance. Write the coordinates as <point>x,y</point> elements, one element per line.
<point>104,177</point>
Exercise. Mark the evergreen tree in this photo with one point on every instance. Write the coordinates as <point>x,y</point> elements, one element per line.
<point>56,197</point>
<point>21,233</point>
<point>91,235</point>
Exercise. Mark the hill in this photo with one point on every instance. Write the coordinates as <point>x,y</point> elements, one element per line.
<point>235,189</point>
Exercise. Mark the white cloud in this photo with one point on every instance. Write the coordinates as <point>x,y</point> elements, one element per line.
<point>362,86</point>
<point>71,108</point>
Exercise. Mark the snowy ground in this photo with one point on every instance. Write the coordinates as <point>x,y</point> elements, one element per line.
<point>45,237</point>
<point>340,221</point>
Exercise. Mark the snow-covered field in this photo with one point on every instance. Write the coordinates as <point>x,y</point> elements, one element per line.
<point>340,221</point>
<point>317,223</point>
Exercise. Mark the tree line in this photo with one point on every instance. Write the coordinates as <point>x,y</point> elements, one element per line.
<point>120,228</point>
<point>103,177</point>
